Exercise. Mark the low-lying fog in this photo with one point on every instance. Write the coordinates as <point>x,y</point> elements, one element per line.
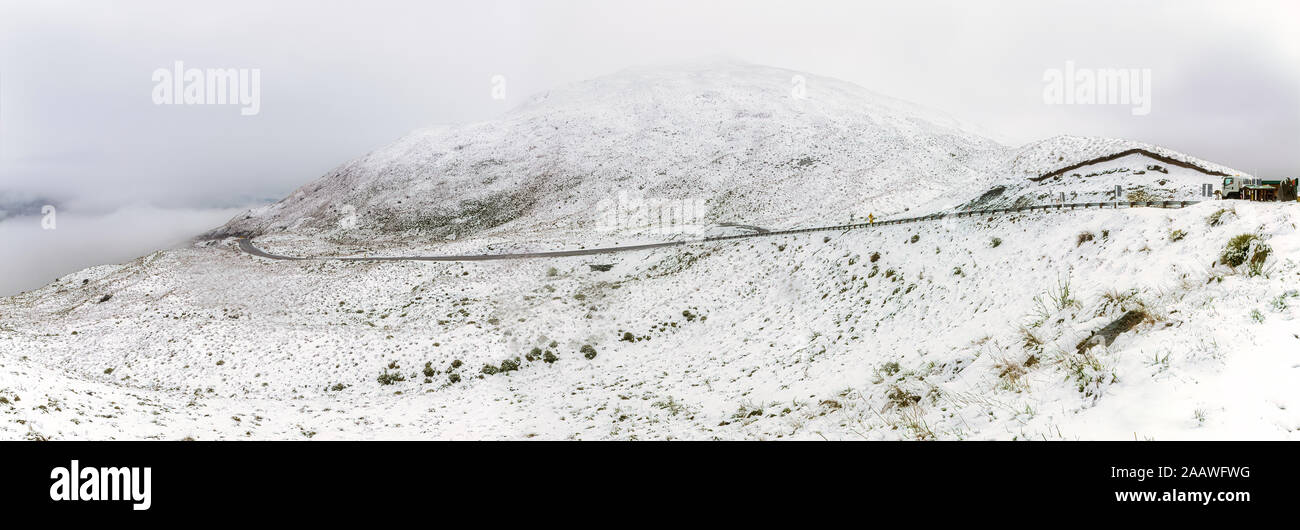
<point>34,256</point>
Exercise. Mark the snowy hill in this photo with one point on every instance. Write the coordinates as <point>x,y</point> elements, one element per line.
<point>730,134</point>
<point>865,334</point>
<point>1033,173</point>
<point>1074,325</point>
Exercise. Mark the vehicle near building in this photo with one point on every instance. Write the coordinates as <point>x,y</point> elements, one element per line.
<point>1255,189</point>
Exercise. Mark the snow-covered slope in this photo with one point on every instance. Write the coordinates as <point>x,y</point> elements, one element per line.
<point>730,134</point>
<point>866,334</point>
<point>1037,158</point>
<point>1026,176</point>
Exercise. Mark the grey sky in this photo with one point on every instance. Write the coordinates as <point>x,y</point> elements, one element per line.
<point>342,78</point>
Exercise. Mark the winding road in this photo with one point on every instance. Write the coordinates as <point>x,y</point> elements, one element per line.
<point>246,245</point>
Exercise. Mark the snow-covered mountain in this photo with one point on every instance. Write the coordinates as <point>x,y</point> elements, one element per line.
<point>1085,324</point>
<point>730,134</point>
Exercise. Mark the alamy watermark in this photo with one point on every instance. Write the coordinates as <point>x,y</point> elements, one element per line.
<point>657,216</point>
<point>76,483</point>
<point>213,86</point>
<point>49,217</point>
<point>348,217</point>
<point>1099,86</point>
<point>499,87</point>
<point>798,87</point>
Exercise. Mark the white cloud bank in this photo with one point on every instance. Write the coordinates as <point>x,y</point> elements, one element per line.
<point>34,257</point>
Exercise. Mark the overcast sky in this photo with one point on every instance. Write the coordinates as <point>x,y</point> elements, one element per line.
<point>339,79</point>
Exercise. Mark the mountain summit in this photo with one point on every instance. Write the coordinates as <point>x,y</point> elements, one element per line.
<point>734,135</point>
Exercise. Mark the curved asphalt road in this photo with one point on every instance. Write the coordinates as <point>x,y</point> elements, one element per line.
<point>247,245</point>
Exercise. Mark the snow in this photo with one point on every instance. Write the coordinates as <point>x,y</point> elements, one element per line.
<point>727,133</point>
<point>1036,158</point>
<point>776,337</point>
<point>1139,176</point>
<point>764,338</point>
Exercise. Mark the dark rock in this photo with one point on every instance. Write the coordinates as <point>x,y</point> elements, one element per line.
<point>1108,333</point>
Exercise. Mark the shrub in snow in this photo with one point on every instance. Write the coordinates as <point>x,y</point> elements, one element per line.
<point>1011,373</point>
<point>1257,316</point>
<point>1246,248</point>
<point>388,378</point>
<point>1053,301</point>
<point>1217,218</point>
<point>1030,339</point>
<point>1087,372</point>
<point>588,351</point>
<point>901,397</point>
<point>1279,303</point>
<point>1139,196</point>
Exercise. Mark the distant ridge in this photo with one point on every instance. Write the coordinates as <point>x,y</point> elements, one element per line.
<point>1137,151</point>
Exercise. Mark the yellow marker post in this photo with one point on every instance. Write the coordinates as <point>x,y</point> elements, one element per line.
<point>871,219</point>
